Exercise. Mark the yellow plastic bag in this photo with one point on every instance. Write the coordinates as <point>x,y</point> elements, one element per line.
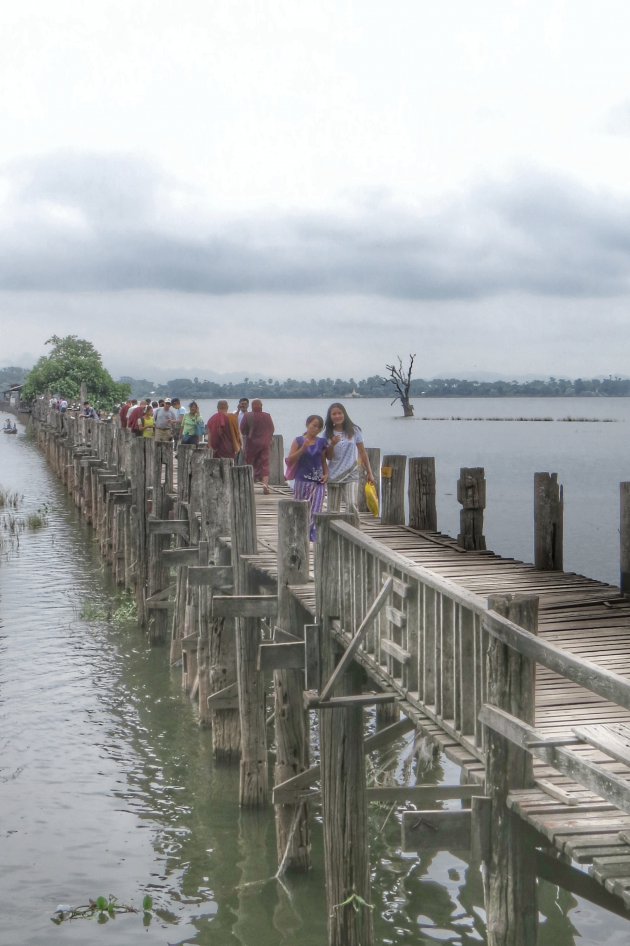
<point>371,498</point>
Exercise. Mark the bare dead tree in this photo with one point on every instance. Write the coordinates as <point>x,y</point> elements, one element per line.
<point>401,382</point>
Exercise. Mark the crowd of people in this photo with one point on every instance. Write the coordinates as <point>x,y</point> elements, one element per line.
<point>328,452</point>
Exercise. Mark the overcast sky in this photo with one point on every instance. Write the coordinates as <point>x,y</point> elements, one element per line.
<point>299,188</point>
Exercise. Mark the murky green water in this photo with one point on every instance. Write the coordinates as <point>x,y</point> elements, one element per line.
<point>107,785</point>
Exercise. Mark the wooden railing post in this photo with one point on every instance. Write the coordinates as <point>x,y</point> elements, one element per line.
<point>276,461</point>
<point>548,522</point>
<point>346,852</point>
<point>511,876</point>
<point>471,493</point>
<point>292,749</point>
<point>624,537</point>
<point>254,779</point>
<point>160,459</point>
<point>422,508</point>
<point>393,489</point>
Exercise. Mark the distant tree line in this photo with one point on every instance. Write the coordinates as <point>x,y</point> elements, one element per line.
<point>375,386</point>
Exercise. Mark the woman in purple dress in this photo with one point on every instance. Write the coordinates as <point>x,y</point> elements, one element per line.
<point>307,466</point>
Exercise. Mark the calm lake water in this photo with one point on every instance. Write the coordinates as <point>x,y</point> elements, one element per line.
<point>107,785</point>
<point>512,438</point>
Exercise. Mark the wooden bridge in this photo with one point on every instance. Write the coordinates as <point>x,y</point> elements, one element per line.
<point>518,673</point>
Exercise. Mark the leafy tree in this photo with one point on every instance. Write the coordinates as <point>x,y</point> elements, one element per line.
<point>71,362</point>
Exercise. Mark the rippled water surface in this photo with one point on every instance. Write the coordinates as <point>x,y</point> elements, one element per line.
<point>107,784</point>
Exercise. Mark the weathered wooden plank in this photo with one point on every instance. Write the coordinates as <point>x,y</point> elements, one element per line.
<point>211,576</point>
<point>176,558</point>
<point>168,527</point>
<point>227,698</point>
<point>313,701</point>
<point>287,656</point>
<point>395,650</point>
<point>614,742</point>
<point>396,617</point>
<point>245,606</point>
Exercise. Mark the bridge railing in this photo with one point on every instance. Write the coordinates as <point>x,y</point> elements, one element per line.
<point>430,642</point>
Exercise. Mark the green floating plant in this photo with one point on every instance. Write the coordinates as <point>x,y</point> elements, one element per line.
<point>102,908</point>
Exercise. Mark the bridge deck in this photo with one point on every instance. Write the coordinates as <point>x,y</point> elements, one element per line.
<point>586,617</point>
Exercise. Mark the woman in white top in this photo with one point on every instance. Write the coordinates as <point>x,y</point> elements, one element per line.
<point>344,454</point>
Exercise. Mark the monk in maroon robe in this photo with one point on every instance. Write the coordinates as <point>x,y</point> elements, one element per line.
<point>223,434</point>
<point>257,429</point>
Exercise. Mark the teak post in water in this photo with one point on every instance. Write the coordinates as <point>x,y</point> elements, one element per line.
<point>548,522</point>
<point>292,749</point>
<point>346,851</point>
<point>471,493</point>
<point>215,524</point>
<point>624,536</point>
<point>254,780</point>
<point>422,507</point>
<point>393,489</point>
<point>511,875</point>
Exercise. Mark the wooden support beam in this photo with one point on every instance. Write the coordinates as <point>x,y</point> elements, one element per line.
<point>510,881</point>
<point>227,698</point>
<point>213,577</point>
<point>176,558</point>
<point>313,701</point>
<point>245,606</point>
<point>312,643</point>
<point>394,650</point>
<point>272,656</point>
<point>122,499</point>
<point>168,527</point>
<point>353,646</point>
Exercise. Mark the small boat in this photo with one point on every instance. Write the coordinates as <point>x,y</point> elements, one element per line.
<point>10,430</point>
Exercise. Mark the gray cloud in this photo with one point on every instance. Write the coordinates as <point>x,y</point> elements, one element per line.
<point>79,222</point>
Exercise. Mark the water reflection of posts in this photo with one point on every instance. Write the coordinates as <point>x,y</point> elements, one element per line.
<point>292,754</point>
<point>511,875</point>
<point>471,493</point>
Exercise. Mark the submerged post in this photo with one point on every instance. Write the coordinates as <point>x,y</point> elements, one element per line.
<point>511,875</point>
<point>292,830</point>
<point>471,493</point>
<point>422,508</point>
<point>254,780</point>
<point>346,852</point>
<point>548,522</point>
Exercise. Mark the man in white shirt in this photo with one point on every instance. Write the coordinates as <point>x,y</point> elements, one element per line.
<point>165,420</point>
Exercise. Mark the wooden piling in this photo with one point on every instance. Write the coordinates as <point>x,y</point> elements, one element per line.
<point>222,714</point>
<point>471,493</point>
<point>548,522</point>
<point>254,780</point>
<point>346,854</point>
<point>292,749</point>
<point>511,875</point>
<point>422,506</point>
<point>393,489</point>
<point>624,537</point>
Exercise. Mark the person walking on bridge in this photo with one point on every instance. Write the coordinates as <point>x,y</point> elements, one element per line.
<point>257,429</point>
